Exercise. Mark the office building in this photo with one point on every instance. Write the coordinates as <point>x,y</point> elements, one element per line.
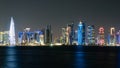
<point>101,38</point>
<point>91,34</point>
<point>112,36</point>
<point>81,33</point>
<point>48,35</point>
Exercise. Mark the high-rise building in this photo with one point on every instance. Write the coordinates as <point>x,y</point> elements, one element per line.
<point>112,36</point>
<point>108,39</point>
<point>63,35</point>
<point>101,38</point>
<point>81,33</point>
<point>68,31</point>
<point>26,36</point>
<point>20,37</point>
<point>37,36</point>
<point>91,34</point>
<point>12,32</point>
<point>72,34</point>
<point>41,38</point>
<point>118,38</point>
<point>48,35</point>
<point>1,37</point>
<point>6,38</point>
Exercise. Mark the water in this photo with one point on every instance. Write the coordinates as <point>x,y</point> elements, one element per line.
<point>60,57</point>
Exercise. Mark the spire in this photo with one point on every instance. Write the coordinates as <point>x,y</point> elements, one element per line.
<point>12,32</point>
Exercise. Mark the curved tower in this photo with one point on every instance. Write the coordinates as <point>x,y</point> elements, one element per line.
<point>12,32</point>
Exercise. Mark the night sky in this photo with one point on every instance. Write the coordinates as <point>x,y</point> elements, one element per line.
<point>36,14</point>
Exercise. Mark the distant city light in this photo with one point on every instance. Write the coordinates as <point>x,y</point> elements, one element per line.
<point>83,35</point>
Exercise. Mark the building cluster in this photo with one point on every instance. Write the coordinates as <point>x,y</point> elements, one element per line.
<point>83,35</point>
<point>41,37</point>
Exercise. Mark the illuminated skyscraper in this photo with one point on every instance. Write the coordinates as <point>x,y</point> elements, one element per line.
<point>118,38</point>
<point>12,32</point>
<point>26,36</point>
<point>1,37</point>
<point>6,37</point>
<point>112,36</point>
<point>48,35</point>
<point>20,36</point>
<point>108,39</point>
<point>63,35</point>
<point>91,34</point>
<point>68,31</point>
<point>81,33</point>
<point>72,34</point>
<point>37,36</point>
<point>41,38</point>
<point>101,39</point>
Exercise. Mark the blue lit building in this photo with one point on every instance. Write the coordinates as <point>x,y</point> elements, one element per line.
<point>118,38</point>
<point>20,36</point>
<point>81,33</point>
<point>37,36</point>
<point>108,39</point>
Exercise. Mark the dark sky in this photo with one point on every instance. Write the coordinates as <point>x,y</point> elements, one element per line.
<point>36,14</point>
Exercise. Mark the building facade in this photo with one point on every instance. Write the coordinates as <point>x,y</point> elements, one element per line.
<point>81,33</point>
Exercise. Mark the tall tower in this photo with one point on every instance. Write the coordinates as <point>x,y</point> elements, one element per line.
<point>112,36</point>
<point>81,33</point>
<point>12,32</point>
<point>118,38</point>
<point>91,34</point>
<point>48,35</point>
<point>101,39</point>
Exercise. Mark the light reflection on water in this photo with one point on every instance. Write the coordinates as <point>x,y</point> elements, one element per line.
<point>31,57</point>
<point>79,58</point>
<point>10,58</point>
<point>118,63</point>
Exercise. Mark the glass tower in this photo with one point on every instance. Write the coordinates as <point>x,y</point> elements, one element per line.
<point>81,33</point>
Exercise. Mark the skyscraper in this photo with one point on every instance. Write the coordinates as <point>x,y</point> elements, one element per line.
<point>48,35</point>
<point>81,33</point>
<point>101,39</point>
<point>63,35</point>
<point>72,33</point>
<point>6,40</point>
<point>1,37</point>
<point>20,36</point>
<point>68,31</point>
<point>12,32</point>
<point>118,38</point>
<point>112,36</point>
<point>91,34</point>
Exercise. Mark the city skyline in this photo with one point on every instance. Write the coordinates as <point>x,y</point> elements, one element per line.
<point>36,14</point>
<point>83,35</point>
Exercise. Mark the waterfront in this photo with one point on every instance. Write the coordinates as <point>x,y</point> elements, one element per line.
<point>59,57</point>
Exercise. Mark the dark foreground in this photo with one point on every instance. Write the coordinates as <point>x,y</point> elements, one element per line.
<point>60,57</point>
